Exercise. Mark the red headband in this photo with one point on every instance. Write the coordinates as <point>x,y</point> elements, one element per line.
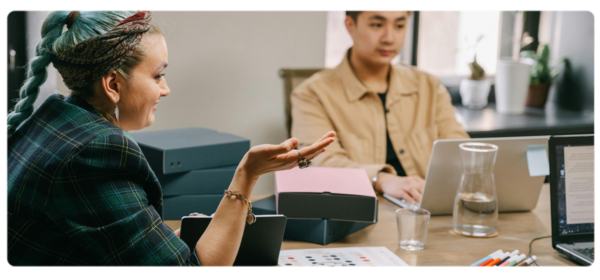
<point>93,58</point>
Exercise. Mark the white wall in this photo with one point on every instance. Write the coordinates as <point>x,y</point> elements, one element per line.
<point>223,71</point>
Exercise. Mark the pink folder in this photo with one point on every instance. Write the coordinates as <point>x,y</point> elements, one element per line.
<point>335,180</point>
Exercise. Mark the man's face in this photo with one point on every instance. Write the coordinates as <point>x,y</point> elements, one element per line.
<point>377,36</point>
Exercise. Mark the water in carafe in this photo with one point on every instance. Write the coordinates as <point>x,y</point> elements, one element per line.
<point>476,206</point>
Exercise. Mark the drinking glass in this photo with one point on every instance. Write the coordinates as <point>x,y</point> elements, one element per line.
<point>412,228</point>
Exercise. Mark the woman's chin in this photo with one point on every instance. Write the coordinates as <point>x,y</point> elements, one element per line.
<point>150,120</point>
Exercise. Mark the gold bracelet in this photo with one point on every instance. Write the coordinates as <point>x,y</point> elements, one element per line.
<point>251,218</point>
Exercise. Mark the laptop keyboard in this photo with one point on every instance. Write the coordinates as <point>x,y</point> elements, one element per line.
<point>588,252</point>
<point>401,202</point>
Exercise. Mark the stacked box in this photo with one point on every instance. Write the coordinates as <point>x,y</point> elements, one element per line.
<point>322,204</point>
<point>193,165</point>
<point>342,194</point>
<point>319,231</point>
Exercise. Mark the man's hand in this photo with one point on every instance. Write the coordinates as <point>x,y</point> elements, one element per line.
<point>408,188</point>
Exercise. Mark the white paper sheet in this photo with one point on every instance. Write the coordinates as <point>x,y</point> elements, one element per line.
<point>341,256</point>
<point>579,184</point>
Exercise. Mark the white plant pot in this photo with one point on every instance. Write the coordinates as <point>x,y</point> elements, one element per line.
<point>512,82</point>
<point>474,94</point>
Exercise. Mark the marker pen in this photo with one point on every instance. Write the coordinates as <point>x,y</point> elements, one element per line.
<point>528,261</point>
<point>488,261</point>
<point>513,255</point>
<point>490,256</point>
<point>497,261</point>
<point>502,261</point>
<point>519,259</point>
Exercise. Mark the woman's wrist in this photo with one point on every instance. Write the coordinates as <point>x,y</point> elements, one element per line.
<point>243,181</point>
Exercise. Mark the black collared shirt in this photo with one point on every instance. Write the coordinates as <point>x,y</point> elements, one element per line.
<point>391,158</point>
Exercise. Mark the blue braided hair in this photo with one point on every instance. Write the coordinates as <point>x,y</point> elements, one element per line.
<point>85,26</point>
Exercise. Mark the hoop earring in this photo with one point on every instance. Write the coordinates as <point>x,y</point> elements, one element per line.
<point>117,113</point>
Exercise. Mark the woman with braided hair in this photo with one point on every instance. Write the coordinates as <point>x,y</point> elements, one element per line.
<point>80,191</point>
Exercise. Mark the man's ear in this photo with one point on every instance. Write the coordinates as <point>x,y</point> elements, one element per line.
<point>350,25</point>
<point>111,84</point>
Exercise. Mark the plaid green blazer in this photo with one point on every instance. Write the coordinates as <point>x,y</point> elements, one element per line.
<point>80,192</point>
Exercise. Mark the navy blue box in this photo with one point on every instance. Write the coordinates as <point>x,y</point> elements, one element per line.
<point>180,150</point>
<point>203,181</point>
<point>176,207</point>
<point>323,231</point>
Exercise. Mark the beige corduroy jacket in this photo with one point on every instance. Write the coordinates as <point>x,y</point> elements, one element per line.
<point>419,112</point>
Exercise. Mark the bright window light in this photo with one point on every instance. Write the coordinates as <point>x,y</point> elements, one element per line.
<point>447,39</point>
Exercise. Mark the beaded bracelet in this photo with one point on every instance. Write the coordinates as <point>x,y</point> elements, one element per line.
<point>251,218</point>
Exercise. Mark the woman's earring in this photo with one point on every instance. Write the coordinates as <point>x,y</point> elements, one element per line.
<point>117,114</point>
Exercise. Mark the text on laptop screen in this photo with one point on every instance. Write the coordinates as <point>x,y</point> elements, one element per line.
<point>575,189</point>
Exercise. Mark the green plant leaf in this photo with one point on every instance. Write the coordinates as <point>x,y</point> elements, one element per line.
<point>541,72</point>
<point>563,65</point>
<point>544,52</point>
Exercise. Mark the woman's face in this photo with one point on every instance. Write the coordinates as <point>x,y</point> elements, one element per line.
<point>145,86</point>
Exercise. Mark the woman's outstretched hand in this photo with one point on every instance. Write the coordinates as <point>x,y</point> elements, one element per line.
<point>230,218</point>
<point>267,158</point>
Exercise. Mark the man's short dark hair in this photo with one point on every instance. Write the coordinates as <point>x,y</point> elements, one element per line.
<point>354,14</point>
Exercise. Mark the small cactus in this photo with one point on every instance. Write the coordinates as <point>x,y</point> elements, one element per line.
<point>477,73</point>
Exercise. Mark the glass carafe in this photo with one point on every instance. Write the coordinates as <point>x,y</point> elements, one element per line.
<point>476,206</point>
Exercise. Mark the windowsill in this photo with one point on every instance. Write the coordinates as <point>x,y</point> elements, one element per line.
<point>454,80</point>
<point>550,120</point>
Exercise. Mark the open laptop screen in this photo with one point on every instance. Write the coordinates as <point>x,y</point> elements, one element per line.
<point>575,169</point>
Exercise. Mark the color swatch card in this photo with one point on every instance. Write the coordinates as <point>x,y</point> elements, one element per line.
<point>343,256</point>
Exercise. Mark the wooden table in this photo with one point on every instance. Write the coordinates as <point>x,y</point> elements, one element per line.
<point>444,247</point>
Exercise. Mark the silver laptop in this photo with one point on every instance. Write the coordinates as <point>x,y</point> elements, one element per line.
<point>516,190</point>
<point>572,196</point>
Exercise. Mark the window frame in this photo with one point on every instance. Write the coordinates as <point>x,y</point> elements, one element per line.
<point>531,25</point>
<point>15,40</point>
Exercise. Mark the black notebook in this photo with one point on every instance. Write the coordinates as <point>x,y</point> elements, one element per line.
<point>261,241</point>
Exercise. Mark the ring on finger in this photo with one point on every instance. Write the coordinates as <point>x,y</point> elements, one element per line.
<point>302,162</point>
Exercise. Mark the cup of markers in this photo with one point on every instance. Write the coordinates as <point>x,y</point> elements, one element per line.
<point>500,258</point>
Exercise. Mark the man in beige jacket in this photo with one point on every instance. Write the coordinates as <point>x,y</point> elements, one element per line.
<point>386,116</point>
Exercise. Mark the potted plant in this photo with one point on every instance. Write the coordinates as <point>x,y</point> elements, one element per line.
<point>541,76</point>
<point>474,91</point>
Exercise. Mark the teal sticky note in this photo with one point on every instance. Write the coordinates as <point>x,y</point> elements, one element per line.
<point>537,160</point>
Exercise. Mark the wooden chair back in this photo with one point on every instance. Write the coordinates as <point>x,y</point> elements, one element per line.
<point>291,79</point>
